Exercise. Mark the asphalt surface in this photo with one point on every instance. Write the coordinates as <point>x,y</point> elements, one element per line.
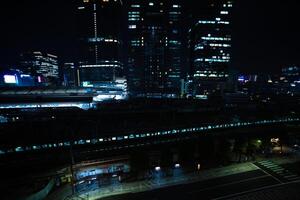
<point>288,191</point>
<point>210,189</point>
<point>293,167</point>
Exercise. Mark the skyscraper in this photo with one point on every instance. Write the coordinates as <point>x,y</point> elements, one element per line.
<point>99,32</point>
<point>210,48</point>
<point>155,47</point>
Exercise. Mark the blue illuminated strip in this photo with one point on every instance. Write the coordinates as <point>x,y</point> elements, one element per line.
<point>147,135</point>
<point>84,106</point>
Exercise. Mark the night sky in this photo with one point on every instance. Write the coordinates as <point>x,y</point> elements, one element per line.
<point>266,34</point>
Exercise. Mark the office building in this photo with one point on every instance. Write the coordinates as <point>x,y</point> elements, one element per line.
<point>100,44</point>
<point>43,66</point>
<point>210,48</point>
<point>154,48</point>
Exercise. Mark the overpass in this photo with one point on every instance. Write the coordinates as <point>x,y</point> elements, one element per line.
<point>134,137</point>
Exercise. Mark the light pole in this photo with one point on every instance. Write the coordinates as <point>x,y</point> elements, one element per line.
<point>72,162</point>
<point>71,128</point>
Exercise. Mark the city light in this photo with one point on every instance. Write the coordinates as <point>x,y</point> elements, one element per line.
<point>198,166</point>
<point>104,98</point>
<point>259,141</point>
<point>177,165</point>
<point>274,140</point>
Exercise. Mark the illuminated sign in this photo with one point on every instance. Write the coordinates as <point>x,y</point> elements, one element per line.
<point>10,79</point>
<point>87,84</point>
<point>204,97</point>
<point>241,78</point>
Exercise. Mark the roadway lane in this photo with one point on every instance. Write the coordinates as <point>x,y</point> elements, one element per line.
<point>284,191</point>
<point>209,189</point>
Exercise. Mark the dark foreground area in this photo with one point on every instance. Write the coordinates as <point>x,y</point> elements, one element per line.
<point>258,184</point>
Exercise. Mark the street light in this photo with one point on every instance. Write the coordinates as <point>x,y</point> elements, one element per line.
<point>275,140</point>
<point>157,168</point>
<point>198,166</point>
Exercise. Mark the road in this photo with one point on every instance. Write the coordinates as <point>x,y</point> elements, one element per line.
<point>227,187</point>
<point>219,183</point>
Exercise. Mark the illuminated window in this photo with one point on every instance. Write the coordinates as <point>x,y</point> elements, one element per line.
<point>132,26</point>
<point>135,6</point>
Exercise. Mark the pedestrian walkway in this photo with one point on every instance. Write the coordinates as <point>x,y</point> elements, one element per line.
<point>202,175</point>
<point>147,185</point>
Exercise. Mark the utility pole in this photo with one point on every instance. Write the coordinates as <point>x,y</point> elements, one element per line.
<point>72,161</point>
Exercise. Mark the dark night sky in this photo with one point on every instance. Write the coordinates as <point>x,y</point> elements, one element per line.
<point>266,33</point>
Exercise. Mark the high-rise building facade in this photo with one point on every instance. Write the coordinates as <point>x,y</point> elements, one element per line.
<point>99,27</point>
<point>43,66</point>
<point>154,47</point>
<point>210,48</point>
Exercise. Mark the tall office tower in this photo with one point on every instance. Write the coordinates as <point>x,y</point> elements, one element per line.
<point>99,32</point>
<point>43,66</point>
<point>154,47</point>
<point>210,48</point>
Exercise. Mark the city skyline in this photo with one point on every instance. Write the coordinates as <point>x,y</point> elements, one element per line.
<point>39,27</point>
<point>150,99</point>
